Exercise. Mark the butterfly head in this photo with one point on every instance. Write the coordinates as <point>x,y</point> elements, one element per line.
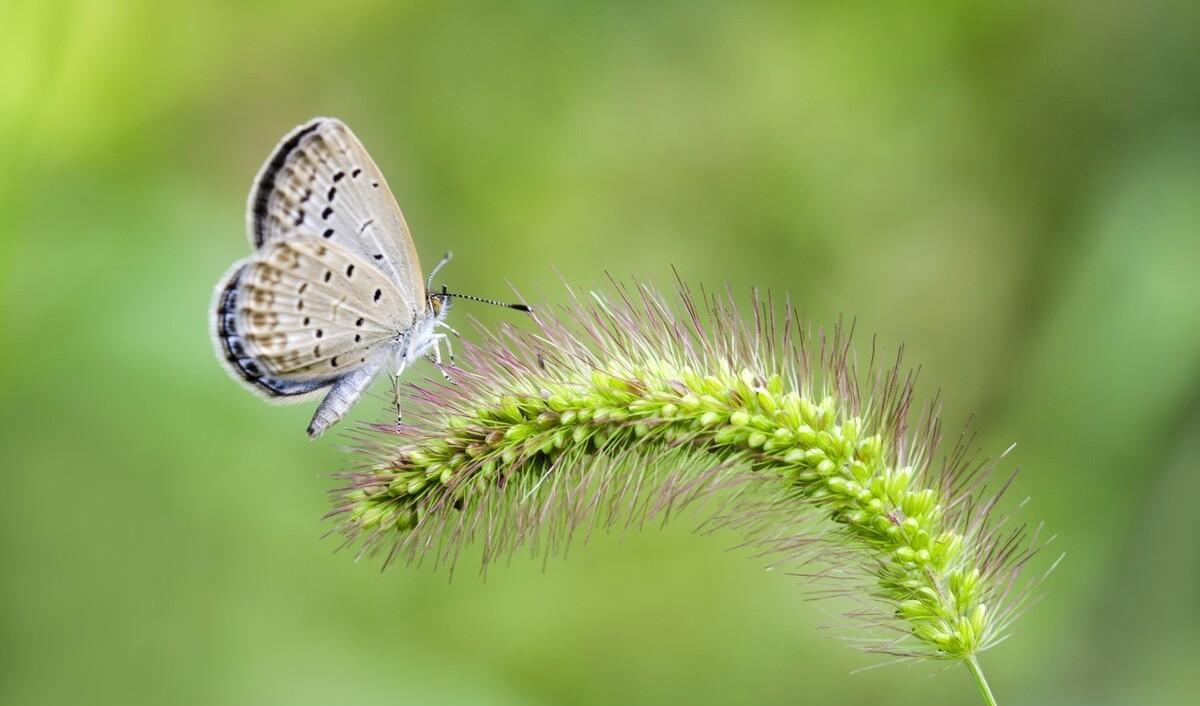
<point>439,304</point>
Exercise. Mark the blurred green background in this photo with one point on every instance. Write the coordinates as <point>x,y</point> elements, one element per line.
<point>1011,189</point>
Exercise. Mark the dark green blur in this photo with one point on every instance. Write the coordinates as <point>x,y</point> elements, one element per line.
<point>1009,189</point>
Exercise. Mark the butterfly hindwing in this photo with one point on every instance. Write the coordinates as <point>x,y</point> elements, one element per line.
<point>320,181</point>
<point>310,309</point>
<point>237,361</point>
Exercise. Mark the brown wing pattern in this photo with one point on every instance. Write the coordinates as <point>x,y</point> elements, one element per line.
<point>299,314</point>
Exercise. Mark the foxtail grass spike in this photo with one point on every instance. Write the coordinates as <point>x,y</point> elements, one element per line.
<point>623,409</point>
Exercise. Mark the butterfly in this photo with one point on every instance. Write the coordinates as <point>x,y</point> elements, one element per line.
<point>333,293</point>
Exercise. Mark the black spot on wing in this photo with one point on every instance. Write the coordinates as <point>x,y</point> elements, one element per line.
<point>266,181</point>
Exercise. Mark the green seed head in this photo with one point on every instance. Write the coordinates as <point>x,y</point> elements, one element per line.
<point>646,409</point>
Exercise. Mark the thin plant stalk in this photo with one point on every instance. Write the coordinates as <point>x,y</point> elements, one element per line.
<point>985,691</point>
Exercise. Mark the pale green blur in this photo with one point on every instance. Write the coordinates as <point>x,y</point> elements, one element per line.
<point>1011,190</point>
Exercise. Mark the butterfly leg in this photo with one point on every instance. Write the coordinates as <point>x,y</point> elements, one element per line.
<point>396,396</point>
<point>434,355</point>
<point>449,347</point>
<point>396,401</point>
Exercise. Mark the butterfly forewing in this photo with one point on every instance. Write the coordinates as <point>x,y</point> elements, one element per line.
<point>320,181</point>
<point>311,309</point>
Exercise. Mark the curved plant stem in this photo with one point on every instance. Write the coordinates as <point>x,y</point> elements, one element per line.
<point>985,691</point>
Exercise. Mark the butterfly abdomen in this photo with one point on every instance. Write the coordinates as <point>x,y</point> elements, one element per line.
<point>342,396</point>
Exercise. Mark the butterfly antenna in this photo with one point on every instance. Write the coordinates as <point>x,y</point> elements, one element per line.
<point>441,263</point>
<point>518,307</point>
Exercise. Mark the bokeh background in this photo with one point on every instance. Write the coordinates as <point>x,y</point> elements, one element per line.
<point>1011,189</point>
